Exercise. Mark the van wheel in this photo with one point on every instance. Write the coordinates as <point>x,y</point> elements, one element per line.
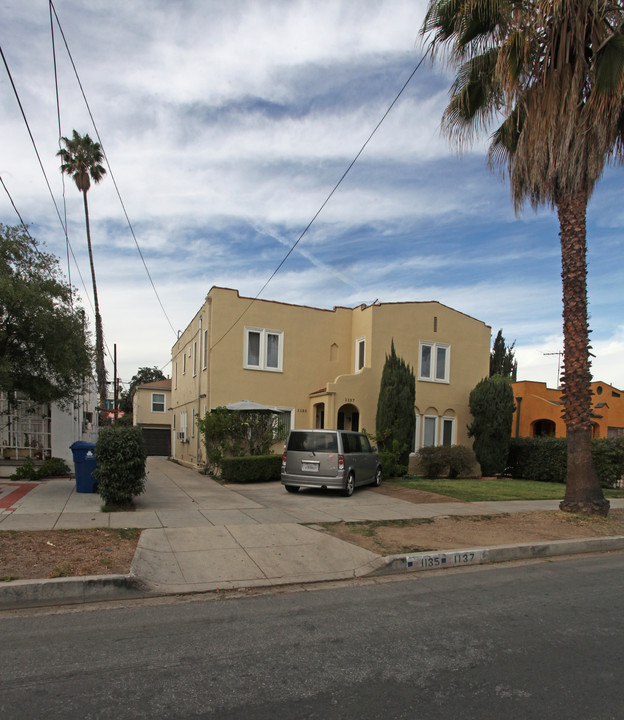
<point>349,485</point>
<point>292,488</point>
<point>378,478</point>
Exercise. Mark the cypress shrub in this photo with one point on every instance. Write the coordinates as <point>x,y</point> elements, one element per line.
<point>120,464</point>
<point>492,406</point>
<point>395,421</point>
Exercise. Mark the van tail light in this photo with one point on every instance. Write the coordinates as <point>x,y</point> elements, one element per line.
<point>340,462</point>
<point>284,459</point>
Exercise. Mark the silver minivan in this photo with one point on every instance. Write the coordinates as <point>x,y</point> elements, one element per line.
<point>338,459</point>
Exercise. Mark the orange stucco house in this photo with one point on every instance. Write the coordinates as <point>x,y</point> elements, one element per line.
<point>539,410</point>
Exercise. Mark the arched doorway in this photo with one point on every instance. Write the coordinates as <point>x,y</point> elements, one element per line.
<point>544,428</point>
<point>348,417</point>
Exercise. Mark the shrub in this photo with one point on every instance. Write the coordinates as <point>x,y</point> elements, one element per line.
<point>545,459</point>
<point>492,407</point>
<point>251,468</point>
<point>395,419</point>
<point>390,465</point>
<point>53,467</point>
<point>120,471</point>
<point>446,461</point>
<point>26,471</point>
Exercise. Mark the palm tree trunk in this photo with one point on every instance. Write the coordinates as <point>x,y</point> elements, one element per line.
<point>583,491</point>
<point>100,367</point>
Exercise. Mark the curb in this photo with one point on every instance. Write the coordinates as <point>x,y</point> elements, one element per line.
<point>20,594</point>
<point>418,562</point>
<point>70,591</point>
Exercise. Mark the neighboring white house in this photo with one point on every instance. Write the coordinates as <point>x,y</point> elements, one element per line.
<point>40,431</point>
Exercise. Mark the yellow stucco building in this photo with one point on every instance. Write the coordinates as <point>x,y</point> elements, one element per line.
<point>322,368</point>
<point>151,411</point>
<point>539,410</point>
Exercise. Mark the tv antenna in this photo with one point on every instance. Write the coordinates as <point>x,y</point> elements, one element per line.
<point>559,356</point>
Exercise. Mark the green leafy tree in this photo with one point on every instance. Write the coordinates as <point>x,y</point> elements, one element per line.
<point>552,73</point>
<point>492,408</point>
<point>502,360</point>
<point>396,420</point>
<point>44,350</point>
<point>81,158</point>
<point>143,375</point>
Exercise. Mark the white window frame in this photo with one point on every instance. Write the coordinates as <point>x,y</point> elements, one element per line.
<point>433,367</point>
<point>435,430</point>
<point>453,421</point>
<point>194,358</point>
<point>184,423</point>
<point>175,375</point>
<point>184,362</point>
<point>205,358</point>
<point>360,342</point>
<point>164,402</point>
<point>417,434</point>
<point>263,350</point>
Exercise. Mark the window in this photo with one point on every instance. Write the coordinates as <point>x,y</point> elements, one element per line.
<point>175,375</point>
<point>429,430</point>
<point>448,431</point>
<point>360,353</point>
<point>158,402</point>
<point>435,361</point>
<point>264,349</point>
<point>195,358</point>
<point>183,424</point>
<point>184,362</point>
<point>205,348</point>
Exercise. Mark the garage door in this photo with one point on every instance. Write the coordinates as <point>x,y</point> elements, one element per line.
<point>157,441</point>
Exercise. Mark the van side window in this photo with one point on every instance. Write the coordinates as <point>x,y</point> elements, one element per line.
<point>365,445</point>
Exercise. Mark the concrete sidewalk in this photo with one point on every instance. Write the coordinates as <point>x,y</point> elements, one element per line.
<point>199,535</point>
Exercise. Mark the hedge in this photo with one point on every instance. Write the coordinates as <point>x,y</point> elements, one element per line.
<point>120,464</point>
<point>545,459</point>
<point>251,468</point>
<point>450,461</point>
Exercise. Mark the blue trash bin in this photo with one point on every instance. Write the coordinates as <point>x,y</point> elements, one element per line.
<point>84,465</point>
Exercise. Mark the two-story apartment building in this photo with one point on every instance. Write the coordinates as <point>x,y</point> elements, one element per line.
<point>151,411</point>
<point>322,368</point>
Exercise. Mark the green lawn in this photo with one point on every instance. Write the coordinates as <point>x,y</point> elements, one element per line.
<point>506,489</point>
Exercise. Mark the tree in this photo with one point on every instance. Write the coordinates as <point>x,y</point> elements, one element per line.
<point>81,158</point>
<point>492,408</point>
<point>554,73</point>
<point>44,352</point>
<point>395,421</point>
<point>502,361</point>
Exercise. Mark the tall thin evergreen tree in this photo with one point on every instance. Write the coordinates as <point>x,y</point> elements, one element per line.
<point>395,421</point>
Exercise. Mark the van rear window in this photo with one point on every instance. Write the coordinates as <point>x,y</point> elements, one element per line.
<point>313,442</point>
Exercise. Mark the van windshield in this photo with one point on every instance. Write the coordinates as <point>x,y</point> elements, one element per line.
<point>313,442</point>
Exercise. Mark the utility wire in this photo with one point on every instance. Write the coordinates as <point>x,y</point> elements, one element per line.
<point>53,9</point>
<point>327,199</point>
<point>34,144</point>
<point>6,190</point>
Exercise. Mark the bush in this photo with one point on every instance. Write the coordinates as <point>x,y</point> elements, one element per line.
<point>446,461</point>
<point>120,471</point>
<point>251,468</point>
<point>27,471</point>
<point>53,467</point>
<point>492,407</point>
<point>390,465</point>
<point>545,459</point>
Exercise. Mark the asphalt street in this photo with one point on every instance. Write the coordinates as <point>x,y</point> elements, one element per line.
<point>538,640</point>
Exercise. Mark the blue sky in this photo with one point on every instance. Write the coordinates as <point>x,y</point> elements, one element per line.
<point>226,126</point>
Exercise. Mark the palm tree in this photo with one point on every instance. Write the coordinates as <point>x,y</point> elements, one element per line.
<point>81,158</point>
<point>553,71</point>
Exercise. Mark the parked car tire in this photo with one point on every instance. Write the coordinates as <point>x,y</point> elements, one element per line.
<point>349,485</point>
<point>292,488</point>
<point>378,478</point>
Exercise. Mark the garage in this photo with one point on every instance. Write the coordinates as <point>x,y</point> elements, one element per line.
<point>157,441</point>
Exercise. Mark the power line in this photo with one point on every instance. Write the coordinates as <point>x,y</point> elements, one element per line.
<point>53,9</point>
<point>327,199</point>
